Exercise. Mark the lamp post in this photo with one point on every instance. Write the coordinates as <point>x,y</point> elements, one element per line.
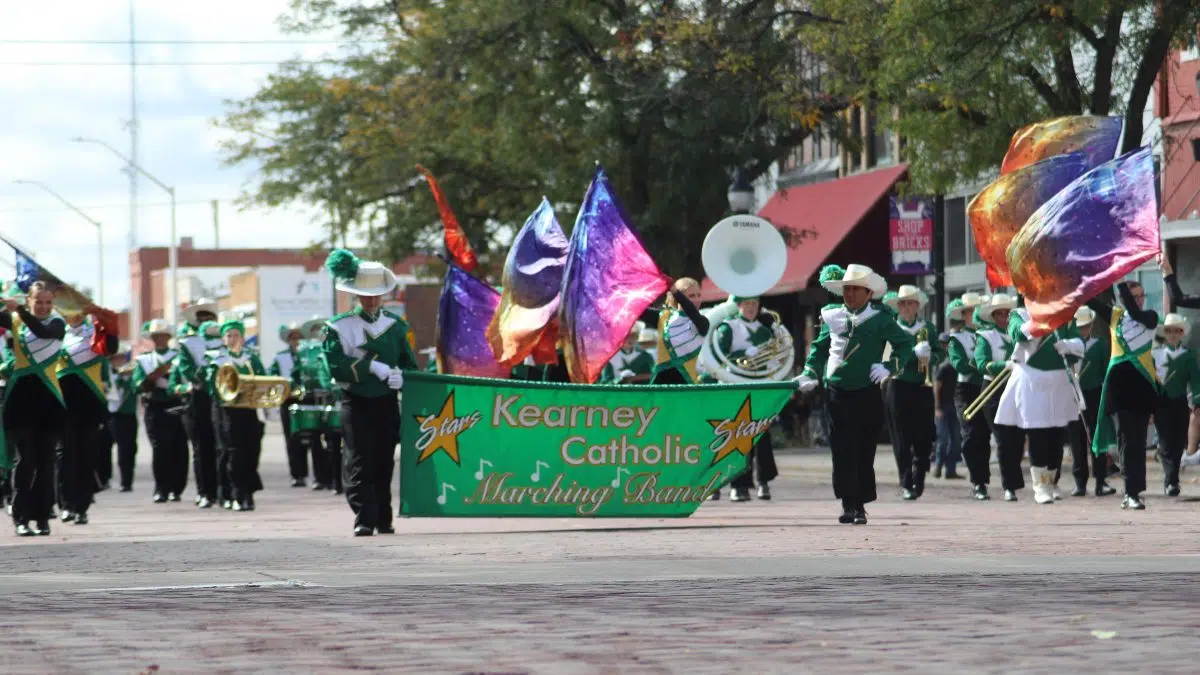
<point>173,250</point>
<point>741,193</point>
<point>93,221</point>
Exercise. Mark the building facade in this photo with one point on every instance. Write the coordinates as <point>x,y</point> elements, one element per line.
<point>1177,106</point>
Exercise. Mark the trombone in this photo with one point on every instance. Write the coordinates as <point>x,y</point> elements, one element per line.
<point>988,392</point>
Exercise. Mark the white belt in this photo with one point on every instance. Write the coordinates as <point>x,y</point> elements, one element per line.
<point>964,378</point>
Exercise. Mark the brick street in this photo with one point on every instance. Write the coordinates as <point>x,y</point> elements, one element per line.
<point>941,585</point>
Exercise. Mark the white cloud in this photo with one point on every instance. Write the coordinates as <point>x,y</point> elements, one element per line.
<point>45,106</point>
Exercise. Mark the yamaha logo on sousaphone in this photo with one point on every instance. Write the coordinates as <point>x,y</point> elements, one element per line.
<point>745,255</point>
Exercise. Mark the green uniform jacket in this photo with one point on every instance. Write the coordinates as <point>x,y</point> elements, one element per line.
<point>1095,363</point>
<point>1177,370</point>
<point>126,393</point>
<point>851,342</point>
<point>311,370</point>
<point>353,340</point>
<point>143,369</point>
<point>282,357</point>
<point>187,374</point>
<point>911,372</point>
<point>962,356</point>
<point>986,359</point>
<point>641,363</point>
<point>246,362</point>
<point>1046,357</point>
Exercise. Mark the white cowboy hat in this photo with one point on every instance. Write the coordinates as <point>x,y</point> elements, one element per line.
<point>157,327</point>
<point>861,276</point>
<point>1174,320</point>
<point>373,279</point>
<point>312,328</point>
<point>195,308</point>
<point>972,300</point>
<point>647,335</point>
<point>908,292</point>
<point>638,327</point>
<point>997,302</point>
<point>288,328</point>
<point>1084,316</point>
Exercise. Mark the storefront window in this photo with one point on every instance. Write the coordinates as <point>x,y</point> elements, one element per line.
<point>956,231</point>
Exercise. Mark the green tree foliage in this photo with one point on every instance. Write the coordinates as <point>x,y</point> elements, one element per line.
<point>966,74</point>
<point>509,100</point>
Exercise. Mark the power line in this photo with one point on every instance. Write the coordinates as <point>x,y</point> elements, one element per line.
<point>188,42</point>
<point>141,205</point>
<point>187,64</point>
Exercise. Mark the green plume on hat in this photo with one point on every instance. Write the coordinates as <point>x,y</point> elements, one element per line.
<point>742,298</point>
<point>342,264</point>
<point>832,273</point>
<point>955,305</point>
<point>890,295</point>
<point>233,324</point>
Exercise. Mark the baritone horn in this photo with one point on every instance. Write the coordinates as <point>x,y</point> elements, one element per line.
<point>251,391</point>
<point>745,255</point>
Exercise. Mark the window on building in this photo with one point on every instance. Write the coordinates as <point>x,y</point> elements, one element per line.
<point>956,231</point>
<point>1190,53</point>
<point>972,249</point>
<point>816,143</point>
<point>883,147</point>
<point>1150,277</point>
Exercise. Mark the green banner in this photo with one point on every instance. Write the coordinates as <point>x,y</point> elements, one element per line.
<point>478,447</point>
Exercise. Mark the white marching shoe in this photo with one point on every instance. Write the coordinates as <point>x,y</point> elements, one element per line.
<point>1043,484</point>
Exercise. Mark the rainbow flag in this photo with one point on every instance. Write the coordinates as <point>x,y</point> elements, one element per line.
<point>1099,138</point>
<point>464,310</point>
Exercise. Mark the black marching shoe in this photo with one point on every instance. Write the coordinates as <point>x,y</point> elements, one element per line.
<point>714,496</point>
<point>126,488</point>
<point>979,492</point>
<point>159,498</point>
<point>1104,489</point>
<point>860,516</point>
<point>298,482</point>
<point>318,487</point>
<point>204,503</point>
<point>1171,490</point>
<point>43,528</point>
<point>172,497</point>
<point>227,504</point>
<point>1010,495</point>
<point>249,503</point>
<point>908,495</point>
<point>81,519</point>
<point>847,516</point>
<point>1079,491</point>
<point>385,529</point>
<point>66,516</point>
<point>1133,502</point>
<point>23,530</point>
<point>764,491</point>
<point>937,471</point>
<point>952,475</point>
<point>363,531</point>
<point>241,505</point>
<point>739,495</point>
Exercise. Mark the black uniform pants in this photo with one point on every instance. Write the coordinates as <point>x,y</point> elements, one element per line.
<point>760,462</point>
<point>1171,420</point>
<point>33,422</point>
<point>1046,447</point>
<point>1010,446</point>
<point>976,432</point>
<point>855,418</point>
<point>911,406</point>
<point>102,459</point>
<point>297,451</point>
<point>124,430</point>
<point>198,421</point>
<point>1080,438</point>
<point>1132,426</point>
<point>333,453</point>
<point>224,484</point>
<point>242,430</point>
<point>85,413</point>
<point>168,445</point>
<point>315,441</point>
<point>371,428</point>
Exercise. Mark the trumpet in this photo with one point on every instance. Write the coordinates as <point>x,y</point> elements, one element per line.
<point>923,364</point>
<point>988,392</point>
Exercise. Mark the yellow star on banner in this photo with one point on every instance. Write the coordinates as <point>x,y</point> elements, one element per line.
<point>440,432</point>
<point>737,434</point>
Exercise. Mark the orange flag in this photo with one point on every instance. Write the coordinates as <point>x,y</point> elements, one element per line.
<point>457,245</point>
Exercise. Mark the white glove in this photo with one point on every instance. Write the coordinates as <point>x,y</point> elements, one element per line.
<point>379,370</point>
<point>1026,329</point>
<point>626,374</point>
<point>752,351</point>
<point>395,379</point>
<point>879,373</point>
<point>805,383</point>
<point>922,350</point>
<point>1071,347</point>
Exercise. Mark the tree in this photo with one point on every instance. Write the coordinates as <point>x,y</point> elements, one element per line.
<point>509,100</point>
<point>965,74</point>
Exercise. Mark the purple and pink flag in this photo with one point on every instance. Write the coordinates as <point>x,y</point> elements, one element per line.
<point>609,281</point>
<point>1098,138</point>
<point>464,310</point>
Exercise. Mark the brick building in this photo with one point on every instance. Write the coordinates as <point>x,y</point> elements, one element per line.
<point>1177,106</point>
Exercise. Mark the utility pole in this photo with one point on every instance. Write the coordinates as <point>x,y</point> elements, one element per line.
<point>216,224</point>
<point>135,295</point>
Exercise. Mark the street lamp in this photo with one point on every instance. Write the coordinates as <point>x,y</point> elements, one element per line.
<point>93,221</point>
<point>173,251</point>
<point>741,193</point>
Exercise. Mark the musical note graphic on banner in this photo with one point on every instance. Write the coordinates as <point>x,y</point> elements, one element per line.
<point>442,497</point>
<point>617,481</point>
<point>479,473</point>
<point>537,471</point>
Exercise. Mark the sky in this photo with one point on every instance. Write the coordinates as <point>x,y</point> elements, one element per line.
<point>50,97</point>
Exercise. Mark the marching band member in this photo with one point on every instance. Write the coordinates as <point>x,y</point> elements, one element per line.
<point>430,354</point>
<point>1131,387</point>
<point>1177,370</point>
<point>168,443</point>
<point>909,399</point>
<point>240,427</point>
<point>82,375</point>
<point>187,380</point>
<point>368,349</point>
<point>1039,399</point>
<point>847,356</point>
<point>34,411</point>
<point>282,366</point>
<point>976,444</point>
<point>122,418</point>
<point>741,336</point>
<point>993,349</point>
<point>949,434</point>
<point>1180,300</point>
<point>311,375</point>
<point>630,364</point>
<point>682,328</point>
<point>1080,432</point>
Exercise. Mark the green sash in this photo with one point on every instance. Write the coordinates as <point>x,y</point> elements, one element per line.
<point>1105,438</point>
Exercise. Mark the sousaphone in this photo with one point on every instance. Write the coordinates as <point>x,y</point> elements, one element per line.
<point>745,255</point>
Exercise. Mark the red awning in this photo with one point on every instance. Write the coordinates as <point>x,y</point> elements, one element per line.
<point>819,215</point>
